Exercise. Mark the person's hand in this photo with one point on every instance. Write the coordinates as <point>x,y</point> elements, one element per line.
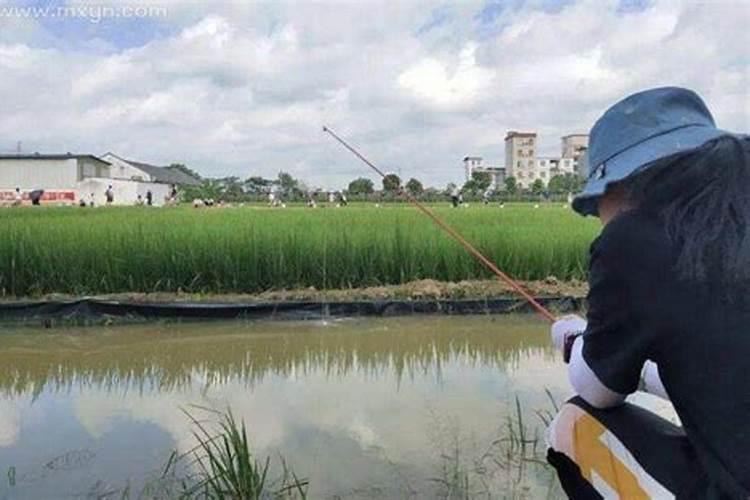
<point>564,327</point>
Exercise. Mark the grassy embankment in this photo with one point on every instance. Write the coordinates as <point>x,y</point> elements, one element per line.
<point>250,249</point>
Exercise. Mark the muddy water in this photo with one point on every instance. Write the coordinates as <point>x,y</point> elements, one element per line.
<point>385,408</point>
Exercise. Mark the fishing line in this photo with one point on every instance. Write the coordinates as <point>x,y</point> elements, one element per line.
<point>453,233</point>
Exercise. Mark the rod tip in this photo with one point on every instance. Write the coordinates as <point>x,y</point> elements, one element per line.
<point>325,129</point>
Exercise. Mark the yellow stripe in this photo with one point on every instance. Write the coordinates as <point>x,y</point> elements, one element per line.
<point>593,455</point>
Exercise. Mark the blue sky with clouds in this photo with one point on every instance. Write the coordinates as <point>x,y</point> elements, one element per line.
<point>238,88</point>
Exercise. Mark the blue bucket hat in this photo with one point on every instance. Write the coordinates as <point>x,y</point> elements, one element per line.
<point>639,130</point>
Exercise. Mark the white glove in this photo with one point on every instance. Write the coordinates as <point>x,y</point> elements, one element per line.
<point>564,327</point>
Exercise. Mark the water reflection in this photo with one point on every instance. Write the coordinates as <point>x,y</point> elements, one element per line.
<point>364,408</point>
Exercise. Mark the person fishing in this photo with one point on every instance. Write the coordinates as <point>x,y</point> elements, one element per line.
<point>668,308</point>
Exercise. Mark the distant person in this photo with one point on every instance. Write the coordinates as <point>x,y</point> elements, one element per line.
<point>331,197</point>
<point>486,196</point>
<point>149,198</point>
<point>173,194</point>
<point>109,194</point>
<point>36,196</point>
<point>92,199</point>
<point>17,197</point>
<point>82,203</point>
<point>342,199</point>
<point>455,197</point>
<point>271,199</point>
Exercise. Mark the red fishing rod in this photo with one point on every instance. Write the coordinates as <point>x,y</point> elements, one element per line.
<point>454,234</point>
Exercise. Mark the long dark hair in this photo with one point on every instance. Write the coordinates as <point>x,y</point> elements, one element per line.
<point>702,198</point>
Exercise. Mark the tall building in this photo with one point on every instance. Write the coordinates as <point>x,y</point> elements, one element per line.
<point>574,146</point>
<point>520,157</point>
<point>522,162</point>
<point>582,165</point>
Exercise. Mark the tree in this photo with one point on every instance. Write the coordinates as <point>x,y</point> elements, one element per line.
<point>511,186</point>
<point>185,170</point>
<point>414,187</point>
<point>391,183</point>
<point>361,186</point>
<point>537,187</point>
<point>565,183</point>
<point>556,184</point>
<point>209,189</point>
<point>483,180</point>
<point>450,188</point>
<point>287,183</point>
<point>230,189</point>
<point>257,185</point>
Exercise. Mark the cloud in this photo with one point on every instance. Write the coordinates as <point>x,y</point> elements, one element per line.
<point>432,79</point>
<point>243,90</point>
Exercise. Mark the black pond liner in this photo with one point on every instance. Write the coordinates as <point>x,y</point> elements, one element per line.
<point>86,309</point>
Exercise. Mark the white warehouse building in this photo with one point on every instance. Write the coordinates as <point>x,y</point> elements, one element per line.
<point>68,178</point>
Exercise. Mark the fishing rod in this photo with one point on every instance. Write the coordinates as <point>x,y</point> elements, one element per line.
<point>454,234</point>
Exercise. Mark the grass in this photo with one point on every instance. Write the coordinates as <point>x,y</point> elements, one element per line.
<point>504,465</point>
<point>221,466</point>
<point>245,250</point>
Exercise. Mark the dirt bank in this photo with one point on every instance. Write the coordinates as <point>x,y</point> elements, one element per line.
<point>416,290</point>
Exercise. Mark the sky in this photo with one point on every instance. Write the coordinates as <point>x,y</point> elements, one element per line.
<point>244,89</point>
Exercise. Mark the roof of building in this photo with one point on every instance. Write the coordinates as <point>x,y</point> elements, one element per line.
<point>164,175</point>
<point>472,158</point>
<point>513,133</point>
<point>46,156</point>
<point>575,135</point>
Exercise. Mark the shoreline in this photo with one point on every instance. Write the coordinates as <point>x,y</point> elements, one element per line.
<point>425,297</point>
<point>426,289</point>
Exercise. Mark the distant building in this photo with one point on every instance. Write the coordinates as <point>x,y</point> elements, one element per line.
<point>544,168</point>
<point>144,172</point>
<point>475,164</point>
<point>582,167</point>
<point>60,175</point>
<point>574,146</point>
<point>520,157</point>
<point>68,178</point>
<point>471,163</point>
<point>132,178</point>
<point>522,162</point>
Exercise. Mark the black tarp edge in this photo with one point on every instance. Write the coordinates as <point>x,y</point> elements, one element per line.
<point>92,308</point>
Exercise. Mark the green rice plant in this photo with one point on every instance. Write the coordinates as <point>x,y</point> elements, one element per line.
<point>247,250</point>
<point>227,468</point>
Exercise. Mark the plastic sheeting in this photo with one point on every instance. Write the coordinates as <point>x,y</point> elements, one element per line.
<point>88,308</point>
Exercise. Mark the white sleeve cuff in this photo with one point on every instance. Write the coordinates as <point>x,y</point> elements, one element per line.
<point>651,381</point>
<point>586,383</point>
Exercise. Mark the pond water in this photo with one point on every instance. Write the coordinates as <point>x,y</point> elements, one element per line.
<point>363,408</point>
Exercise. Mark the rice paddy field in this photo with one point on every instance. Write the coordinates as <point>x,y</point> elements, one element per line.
<point>251,249</point>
